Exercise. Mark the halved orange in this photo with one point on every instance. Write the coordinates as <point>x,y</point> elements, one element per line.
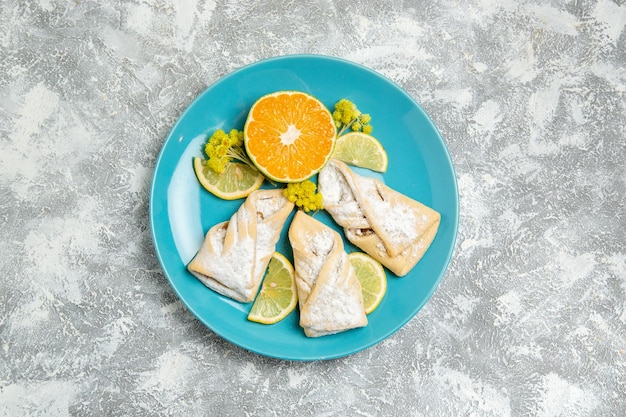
<point>289,135</point>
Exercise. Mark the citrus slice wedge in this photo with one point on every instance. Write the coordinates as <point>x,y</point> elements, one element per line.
<point>237,181</point>
<point>372,277</point>
<point>277,296</point>
<point>289,135</point>
<point>361,150</point>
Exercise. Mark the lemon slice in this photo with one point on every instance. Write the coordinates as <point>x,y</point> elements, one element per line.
<point>361,150</point>
<point>277,297</point>
<point>237,181</point>
<point>372,277</point>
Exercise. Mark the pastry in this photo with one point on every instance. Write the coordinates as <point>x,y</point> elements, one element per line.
<point>329,293</point>
<point>234,255</point>
<point>391,227</point>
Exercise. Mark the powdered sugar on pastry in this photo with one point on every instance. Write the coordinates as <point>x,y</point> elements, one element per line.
<point>267,205</point>
<point>398,221</point>
<point>329,292</point>
<point>234,255</point>
<point>334,302</point>
<point>316,247</point>
<point>319,245</point>
<point>230,268</point>
<point>389,226</point>
<point>339,197</point>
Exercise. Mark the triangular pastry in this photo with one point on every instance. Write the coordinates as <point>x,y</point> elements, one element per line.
<point>389,226</point>
<point>329,293</point>
<point>234,255</point>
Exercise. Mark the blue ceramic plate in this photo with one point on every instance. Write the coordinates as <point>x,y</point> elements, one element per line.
<point>181,211</point>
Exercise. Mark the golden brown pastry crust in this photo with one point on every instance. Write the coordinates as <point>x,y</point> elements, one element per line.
<point>234,255</point>
<point>389,226</point>
<point>329,292</point>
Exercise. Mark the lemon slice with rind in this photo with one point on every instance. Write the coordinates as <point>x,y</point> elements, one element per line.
<point>361,150</point>
<point>237,181</point>
<point>372,277</point>
<point>277,296</point>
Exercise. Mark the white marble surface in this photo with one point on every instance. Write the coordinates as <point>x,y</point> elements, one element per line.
<point>530,319</point>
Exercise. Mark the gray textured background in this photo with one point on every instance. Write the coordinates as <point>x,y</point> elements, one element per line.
<point>530,97</point>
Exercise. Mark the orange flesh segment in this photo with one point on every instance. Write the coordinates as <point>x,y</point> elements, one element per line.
<point>290,135</point>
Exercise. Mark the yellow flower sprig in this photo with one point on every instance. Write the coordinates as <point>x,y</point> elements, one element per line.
<point>304,195</point>
<point>347,116</point>
<point>222,148</point>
